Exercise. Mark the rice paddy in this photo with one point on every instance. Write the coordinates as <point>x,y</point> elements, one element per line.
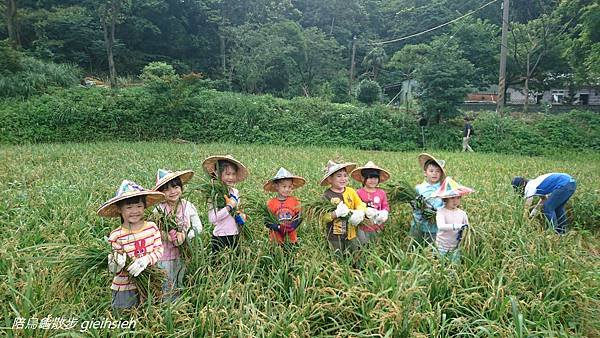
<point>515,279</point>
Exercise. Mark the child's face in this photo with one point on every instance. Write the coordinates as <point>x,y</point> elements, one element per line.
<point>172,193</point>
<point>229,176</point>
<point>452,202</point>
<point>338,180</point>
<point>372,182</point>
<point>132,213</point>
<point>433,173</point>
<point>284,187</point>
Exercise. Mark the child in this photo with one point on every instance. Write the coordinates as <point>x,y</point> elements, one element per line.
<point>451,221</point>
<point>555,190</point>
<point>135,238</point>
<point>433,170</point>
<point>229,171</point>
<point>285,207</point>
<point>378,209</point>
<point>350,210</point>
<point>185,215</point>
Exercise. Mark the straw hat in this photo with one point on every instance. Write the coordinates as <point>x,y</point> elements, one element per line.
<point>164,176</point>
<point>283,173</point>
<point>126,190</point>
<point>333,167</point>
<point>424,158</point>
<point>210,166</point>
<point>451,188</point>
<point>357,173</point>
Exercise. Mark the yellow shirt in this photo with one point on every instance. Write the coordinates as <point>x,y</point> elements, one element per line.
<point>341,226</point>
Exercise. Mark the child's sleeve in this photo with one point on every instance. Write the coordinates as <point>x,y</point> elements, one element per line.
<point>327,218</point>
<point>440,220</point>
<point>384,201</point>
<point>194,218</point>
<point>215,215</point>
<point>358,203</point>
<point>112,239</point>
<point>157,247</point>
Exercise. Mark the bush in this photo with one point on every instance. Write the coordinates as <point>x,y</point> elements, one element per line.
<point>159,76</point>
<point>199,115</point>
<point>368,92</point>
<point>36,77</point>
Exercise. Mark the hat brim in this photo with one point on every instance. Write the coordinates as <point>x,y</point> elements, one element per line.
<point>297,182</point>
<point>185,176</point>
<point>210,166</point>
<point>110,209</point>
<point>463,191</point>
<point>356,174</point>
<point>348,166</point>
<point>424,157</point>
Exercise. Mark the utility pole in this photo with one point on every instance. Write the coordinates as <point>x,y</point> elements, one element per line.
<point>352,65</point>
<point>503,52</point>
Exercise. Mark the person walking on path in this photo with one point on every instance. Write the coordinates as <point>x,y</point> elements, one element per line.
<point>467,133</point>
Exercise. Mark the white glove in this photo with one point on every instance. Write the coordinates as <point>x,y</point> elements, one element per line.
<point>356,217</point>
<point>342,210</point>
<point>381,217</point>
<point>116,261</point>
<point>138,265</point>
<point>371,213</point>
<point>191,233</point>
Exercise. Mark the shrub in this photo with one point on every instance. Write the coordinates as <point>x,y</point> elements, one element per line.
<point>368,92</point>
<point>33,76</point>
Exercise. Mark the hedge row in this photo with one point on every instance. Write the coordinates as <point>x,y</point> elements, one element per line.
<point>88,115</point>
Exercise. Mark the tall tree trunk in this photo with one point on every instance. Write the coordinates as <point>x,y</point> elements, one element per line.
<point>526,107</point>
<point>109,41</point>
<point>222,47</point>
<point>11,22</point>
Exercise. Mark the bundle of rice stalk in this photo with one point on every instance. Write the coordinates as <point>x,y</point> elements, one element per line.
<point>149,281</point>
<point>258,207</point>
<point>315,210</point>
<point>79,261</point>
<point>214,191</point>
<point>167,222</point>
<point>82,261</point>
<point>400,192</point>
<point>467,241</point>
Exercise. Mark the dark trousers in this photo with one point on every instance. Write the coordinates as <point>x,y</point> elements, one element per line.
<point>554,207</point>
<point>220,242</point>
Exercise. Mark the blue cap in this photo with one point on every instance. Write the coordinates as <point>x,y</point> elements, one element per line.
<point>518,182</point>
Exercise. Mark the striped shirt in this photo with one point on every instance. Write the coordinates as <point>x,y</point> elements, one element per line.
<point>136,244</point>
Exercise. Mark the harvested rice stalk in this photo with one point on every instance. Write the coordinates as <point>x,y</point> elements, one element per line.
<point>82,261</point>
<point>400,192</point>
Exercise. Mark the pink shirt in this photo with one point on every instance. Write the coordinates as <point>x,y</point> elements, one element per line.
<point>377,200</point>
<point>449,223</point>
<point>186,217</point>
<point>224,223</point>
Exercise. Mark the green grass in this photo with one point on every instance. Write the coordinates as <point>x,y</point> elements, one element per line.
<point>515,279</point>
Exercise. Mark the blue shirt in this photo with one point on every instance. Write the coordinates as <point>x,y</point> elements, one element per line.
<point>546,184</point>
<point>425,189</point>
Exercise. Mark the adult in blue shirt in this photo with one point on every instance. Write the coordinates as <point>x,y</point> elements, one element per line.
<point>555,189</point>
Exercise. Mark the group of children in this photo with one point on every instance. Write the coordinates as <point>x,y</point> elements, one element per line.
<point>358,217</point>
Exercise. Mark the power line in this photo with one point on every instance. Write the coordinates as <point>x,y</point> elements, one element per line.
<point>434,28</point>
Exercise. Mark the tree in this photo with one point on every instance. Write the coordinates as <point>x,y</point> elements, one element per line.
<point>583,50</point>
<point>10,16</point>
<point>368,91</point>
<point>442,73</point>
<point>536,51</point>
<point>374,61</point>
<point>110,12</point>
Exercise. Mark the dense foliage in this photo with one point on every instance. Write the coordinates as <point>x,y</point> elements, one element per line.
<point>185,109</point>
<point>299,47</point>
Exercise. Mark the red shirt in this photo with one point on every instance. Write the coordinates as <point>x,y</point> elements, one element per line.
<point>285,211</point>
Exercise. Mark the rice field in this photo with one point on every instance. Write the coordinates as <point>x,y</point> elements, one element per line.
<point>515,279</point>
